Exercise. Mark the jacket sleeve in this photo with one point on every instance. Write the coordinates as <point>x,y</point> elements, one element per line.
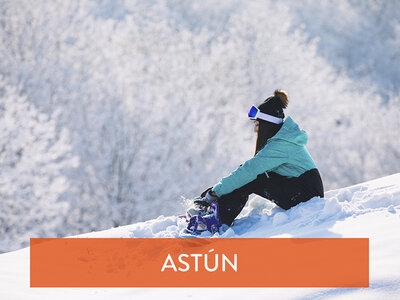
<point>266,159</point>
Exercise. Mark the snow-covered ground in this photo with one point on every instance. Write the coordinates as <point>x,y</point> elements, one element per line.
<point>370,209</point>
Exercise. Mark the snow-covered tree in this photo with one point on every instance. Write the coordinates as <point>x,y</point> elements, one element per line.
<point>33,156</point>
<point>154,94</point>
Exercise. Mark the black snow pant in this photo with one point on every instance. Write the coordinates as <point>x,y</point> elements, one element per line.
<point>283,191</point>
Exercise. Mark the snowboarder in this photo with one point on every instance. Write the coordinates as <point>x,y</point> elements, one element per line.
<point>281,170</point>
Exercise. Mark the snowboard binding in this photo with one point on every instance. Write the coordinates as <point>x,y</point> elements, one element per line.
<point>209,221</point>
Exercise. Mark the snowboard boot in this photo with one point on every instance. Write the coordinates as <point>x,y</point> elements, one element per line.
<point>210,222</point>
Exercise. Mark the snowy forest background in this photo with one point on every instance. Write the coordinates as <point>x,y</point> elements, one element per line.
<point>110,111</point>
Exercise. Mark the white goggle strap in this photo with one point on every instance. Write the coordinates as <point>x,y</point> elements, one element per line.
<point>268,118</point>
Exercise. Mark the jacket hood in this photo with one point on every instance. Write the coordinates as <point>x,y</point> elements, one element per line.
<point>291,132</point>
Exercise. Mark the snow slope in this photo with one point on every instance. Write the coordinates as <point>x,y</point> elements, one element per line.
<point>370,209</point>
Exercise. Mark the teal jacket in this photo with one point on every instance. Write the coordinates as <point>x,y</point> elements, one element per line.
<point>284,153</point>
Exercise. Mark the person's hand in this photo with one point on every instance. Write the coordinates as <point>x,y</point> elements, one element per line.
<point>207,197</point>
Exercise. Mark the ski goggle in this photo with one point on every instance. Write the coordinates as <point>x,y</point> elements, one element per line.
<point>255,113</point>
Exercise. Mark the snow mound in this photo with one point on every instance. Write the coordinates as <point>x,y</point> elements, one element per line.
<point>370,209</point>
<point>261,218</point>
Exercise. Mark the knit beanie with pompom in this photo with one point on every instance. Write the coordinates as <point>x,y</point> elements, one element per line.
<point>274,105</point>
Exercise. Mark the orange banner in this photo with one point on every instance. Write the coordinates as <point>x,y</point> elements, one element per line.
<point>199,262</point>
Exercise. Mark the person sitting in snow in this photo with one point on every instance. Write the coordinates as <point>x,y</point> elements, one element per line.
<point>281,170</point>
